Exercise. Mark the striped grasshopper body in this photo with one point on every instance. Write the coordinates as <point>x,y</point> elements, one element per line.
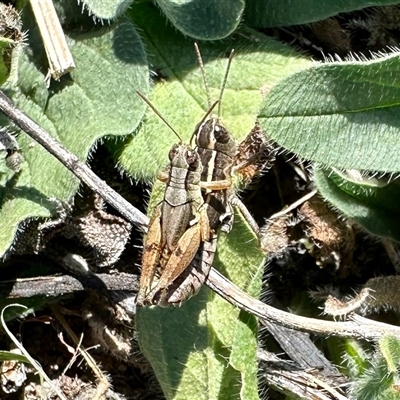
<point>177,227</point>
<point>217,150</point>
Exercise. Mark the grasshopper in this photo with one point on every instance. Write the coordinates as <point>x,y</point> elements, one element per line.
<point>217,152</point>
<point>178,226</point>
<point>222,159</point>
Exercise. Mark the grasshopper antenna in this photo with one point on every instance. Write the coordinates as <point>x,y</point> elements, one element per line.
<point>146,100</point>
<point>203,73</point>
<point>224,81</point>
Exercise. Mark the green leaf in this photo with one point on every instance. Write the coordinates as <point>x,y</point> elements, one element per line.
<point>373,383</point>
<point>93,101</point>
<point>5,48</point>
<point>339,114</point>
<point>202,20</point>
<point>355,357</point>
<point>272,13</point>
<point>10,356</point>
<point>206,349</point>
<point>390,349</point>
<point>179,93</point>
<point>374,208</point>
<point>107,9</point>
<point>392,393</point>
<point>377,381</point>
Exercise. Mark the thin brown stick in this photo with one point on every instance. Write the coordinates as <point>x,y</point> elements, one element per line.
<point>367,329</point>
<point>55,286</point>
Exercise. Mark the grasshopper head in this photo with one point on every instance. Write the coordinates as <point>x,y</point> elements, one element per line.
<point>212,135</point>
<point>182,156</point>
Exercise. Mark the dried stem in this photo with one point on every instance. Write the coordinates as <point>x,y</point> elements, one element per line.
<point>55,44</point>
<point>367,329</point>
<point>103,383</point>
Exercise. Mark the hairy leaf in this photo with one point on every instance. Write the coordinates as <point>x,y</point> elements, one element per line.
<point>93,101</point>
<point>390,349</point>
<point>339,114</point>
<point>271,13</point>
<point>355,357</point>
<point>376,381</point>
<point>374,208</point>
<point>203,20</point>
<point>108,9</point>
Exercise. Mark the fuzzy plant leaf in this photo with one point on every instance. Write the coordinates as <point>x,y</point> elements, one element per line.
<point>5,48</point>
<point>210,20</point>
<point>93,101</point>
<point>179,93</point>
<point>355,357</point>
<point>206,349</point>
<point>342,114</point>
<point>375,208</point>
<point>390,349</point>
<point>273,13</point>
<point>107,9</point>
<point>379,379</point>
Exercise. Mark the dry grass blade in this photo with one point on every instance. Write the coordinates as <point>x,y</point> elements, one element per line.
<point>58,53</point>
<point>103,384</point>
<point>34,363</point>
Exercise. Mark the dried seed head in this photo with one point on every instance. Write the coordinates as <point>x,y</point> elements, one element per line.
<point>333,237</point>
<point>341,308</point>
<point>255,155</point>
<point>10,24</point>
<point>274,236</point>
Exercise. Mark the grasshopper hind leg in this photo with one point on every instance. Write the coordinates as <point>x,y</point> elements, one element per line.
<point>191,281</point>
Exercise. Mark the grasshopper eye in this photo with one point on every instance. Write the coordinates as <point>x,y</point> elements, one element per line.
<point>191,156</point>
<point>221,134</point>
<point>173,152</point>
